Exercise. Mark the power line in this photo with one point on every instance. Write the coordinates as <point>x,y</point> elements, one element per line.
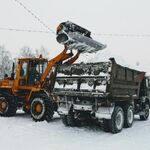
<point>122,35</point>
<point>95,34</point>
<point>23,30</point>
<point>35,16</point>
<point>47,27</point>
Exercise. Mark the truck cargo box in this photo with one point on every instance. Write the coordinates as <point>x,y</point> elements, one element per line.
<point>101,79</point>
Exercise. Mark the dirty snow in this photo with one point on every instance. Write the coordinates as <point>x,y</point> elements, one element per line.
<point>21,133</point>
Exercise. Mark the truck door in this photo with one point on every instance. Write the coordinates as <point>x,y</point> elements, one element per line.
<point>148,87</point>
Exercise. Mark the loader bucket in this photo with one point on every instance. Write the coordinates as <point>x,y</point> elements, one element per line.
<point>78,38</point>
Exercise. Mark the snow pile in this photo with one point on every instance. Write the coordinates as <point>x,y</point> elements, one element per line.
<point>87,76</point>
<point>105,55</point>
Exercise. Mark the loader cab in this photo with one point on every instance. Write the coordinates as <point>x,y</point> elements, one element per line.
<point>30,71</point>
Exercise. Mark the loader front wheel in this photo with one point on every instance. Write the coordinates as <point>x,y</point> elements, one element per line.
<point>8,106</point>
<point>41,109</point>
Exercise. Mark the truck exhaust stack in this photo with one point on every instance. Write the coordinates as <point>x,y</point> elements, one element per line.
<point>76,37</point>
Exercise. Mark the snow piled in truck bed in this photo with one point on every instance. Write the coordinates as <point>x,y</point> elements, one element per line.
<point>102,56</point>
<point>21,133</point>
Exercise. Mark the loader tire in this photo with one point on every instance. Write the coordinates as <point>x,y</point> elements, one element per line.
<point>128,115</point>
<point>64,120</point>
<point>146,113</point>
<point>41,108</point>
<point>117,120</point>
<point>8,105</point>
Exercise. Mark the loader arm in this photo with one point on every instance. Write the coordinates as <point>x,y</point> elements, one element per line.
<point>73,59</point>
<point>58,59</point>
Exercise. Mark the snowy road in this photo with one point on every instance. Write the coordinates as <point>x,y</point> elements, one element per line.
<point>21,133</point>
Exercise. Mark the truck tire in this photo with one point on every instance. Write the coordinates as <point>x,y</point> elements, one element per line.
<point>128,115</point>
<point>146,113</point>
<point>106,125</point>
<point>64,120</point>
<point>117,120</point>
<point>41,108</point>
<point>8,106</point>
<point>70,119</point>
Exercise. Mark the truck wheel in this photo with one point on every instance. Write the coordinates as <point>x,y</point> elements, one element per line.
<point>8,106</point>
<point>64,120</point>
<point>128,115</point>
<point>106,125</point>
<point>146,113</point>
<point>70,119</point>
<point>117,120</point>
<point>41,109</point>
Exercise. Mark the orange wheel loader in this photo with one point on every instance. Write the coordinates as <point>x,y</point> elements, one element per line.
<point>30,87</point>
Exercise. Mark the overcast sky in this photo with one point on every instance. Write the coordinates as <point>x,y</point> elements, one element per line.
<point>99,16</point>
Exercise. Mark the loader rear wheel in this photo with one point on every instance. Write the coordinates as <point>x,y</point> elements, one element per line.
<point>128,115</point>
<point>117,120</point>
<point>8,106</point>
<point>145,114</point>
<point>41,109</point>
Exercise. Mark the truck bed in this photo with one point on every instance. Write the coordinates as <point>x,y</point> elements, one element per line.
<point>102,79</point>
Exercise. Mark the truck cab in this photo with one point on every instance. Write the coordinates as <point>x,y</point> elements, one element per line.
<point>145,88</point>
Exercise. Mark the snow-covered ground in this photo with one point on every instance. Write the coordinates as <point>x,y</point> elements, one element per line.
<point>21,133</point>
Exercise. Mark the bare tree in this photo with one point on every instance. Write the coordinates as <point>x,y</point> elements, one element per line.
<point>5,62</point>
<point>41,51</point>
<point>26,52</point>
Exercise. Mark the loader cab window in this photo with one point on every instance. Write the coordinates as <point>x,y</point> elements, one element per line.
<point>40,67</point>
<point>36,70</point>
<point>23,73</point>
<point>23,70</point>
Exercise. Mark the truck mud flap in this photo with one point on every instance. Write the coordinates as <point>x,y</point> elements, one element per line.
<point>104,112</point>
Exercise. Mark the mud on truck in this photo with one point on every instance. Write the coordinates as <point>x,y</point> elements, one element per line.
<point>105,92</point>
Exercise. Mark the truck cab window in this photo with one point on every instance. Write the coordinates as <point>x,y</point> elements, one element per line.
<point>147,82</point>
